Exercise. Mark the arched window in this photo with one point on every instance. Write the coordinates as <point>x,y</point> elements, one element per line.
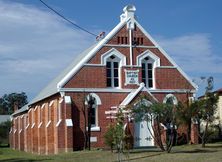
<point>113,60</point>
<point>148,61</point>
<point>170,99</point>
<point>147,72</point>
<point>112,71</point>
<point>94,110</point>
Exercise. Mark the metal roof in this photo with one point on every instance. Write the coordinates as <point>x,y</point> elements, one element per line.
<point>51,88</point>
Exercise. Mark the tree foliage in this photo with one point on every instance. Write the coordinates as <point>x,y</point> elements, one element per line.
<point>8,101</point>
<point>207,108</point>
<point>4,132</point>
<point>159,114</point>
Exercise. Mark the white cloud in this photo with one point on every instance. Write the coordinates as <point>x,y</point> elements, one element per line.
<point>193,53</point>
<point>35,45</point>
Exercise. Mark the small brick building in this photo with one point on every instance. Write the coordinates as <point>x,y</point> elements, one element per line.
<point>124,65</point>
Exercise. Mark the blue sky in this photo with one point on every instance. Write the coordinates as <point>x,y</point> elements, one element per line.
<point>36,44</point>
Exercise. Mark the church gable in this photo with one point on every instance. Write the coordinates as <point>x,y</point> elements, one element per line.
<point>130,41</point>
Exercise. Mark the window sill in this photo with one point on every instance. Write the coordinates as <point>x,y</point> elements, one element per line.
<point>94,129</point>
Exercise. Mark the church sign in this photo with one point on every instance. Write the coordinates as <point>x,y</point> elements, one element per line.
<point>132,77</point>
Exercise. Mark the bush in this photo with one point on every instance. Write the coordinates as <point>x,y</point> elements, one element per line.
<point>4,132</point>
<point>109,137</point>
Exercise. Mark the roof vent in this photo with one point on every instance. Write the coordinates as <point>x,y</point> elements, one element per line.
<point>128,12</point>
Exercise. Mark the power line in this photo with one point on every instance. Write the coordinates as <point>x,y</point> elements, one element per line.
<point>67,19</point>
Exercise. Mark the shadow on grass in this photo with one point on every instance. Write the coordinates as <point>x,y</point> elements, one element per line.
<point>23,160</point>
<point>214,146</point>
<point>141,157</point>
<point>135,151</point>
<point>195,151</point>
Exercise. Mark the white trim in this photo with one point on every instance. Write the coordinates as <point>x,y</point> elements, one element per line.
<point>94,65</point>
<point>133,94</point>
<point>89,55</point>
<point>118,90</point>
<point>43,106</point>
<point>68,100</point>
<point>127,46</point>
<point>69,123</point>
<point>40,124</point>
<point>20,131</point>
<point>58,123</point>
<point>60,100</point>
<point>35,108</point>
<point>98,100</point>
<point>33,125</point>
<point>166,67</point>
<point>27,126</point>
<point>131,66</point>
<point>165,54</point>
<point>47,125</point>
<point>115,52</point>
<point>22,116</point>
<point>15,131</point>
<point>30,110</point>
<point>51,103</point>
<point>155,61</point>
<point>150,54</point>
<point>175,101</point>
<point>131,48</point>
<point>94,128</point>
<point>10,130</point>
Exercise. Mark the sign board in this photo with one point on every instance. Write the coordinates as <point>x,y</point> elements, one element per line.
<point>132,77</point>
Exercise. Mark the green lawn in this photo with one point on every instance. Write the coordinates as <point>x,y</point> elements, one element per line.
<point>187,153</point>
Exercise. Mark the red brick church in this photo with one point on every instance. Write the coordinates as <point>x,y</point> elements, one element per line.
<point>124,65</point>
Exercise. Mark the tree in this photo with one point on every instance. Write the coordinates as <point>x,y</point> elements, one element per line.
<point>207,108</point>
<point>9,101</point>
<point>158,114</point>
<point>4,132</point>
<point>185,113</point>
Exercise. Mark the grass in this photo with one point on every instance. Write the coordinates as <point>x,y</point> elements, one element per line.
<point>186,153</point>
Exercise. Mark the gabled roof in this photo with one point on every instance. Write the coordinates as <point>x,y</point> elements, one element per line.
<point>219,90</point>
<point>165,54</point>
<point>134,93</point>
<point>79,61</point>
<point>51,88</point>
<point>128,20</point>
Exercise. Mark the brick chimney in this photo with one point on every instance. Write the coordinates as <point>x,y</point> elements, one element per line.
<point>15,106</point>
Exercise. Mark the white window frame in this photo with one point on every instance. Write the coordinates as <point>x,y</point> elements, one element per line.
<point>175,101</point>
<point>146,62</point>
<point>116,59</point>
<point>156,63</point>
<point>95,127</point>
<point>122,62</point>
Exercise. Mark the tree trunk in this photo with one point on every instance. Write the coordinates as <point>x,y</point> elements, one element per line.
<point>204,136</point>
